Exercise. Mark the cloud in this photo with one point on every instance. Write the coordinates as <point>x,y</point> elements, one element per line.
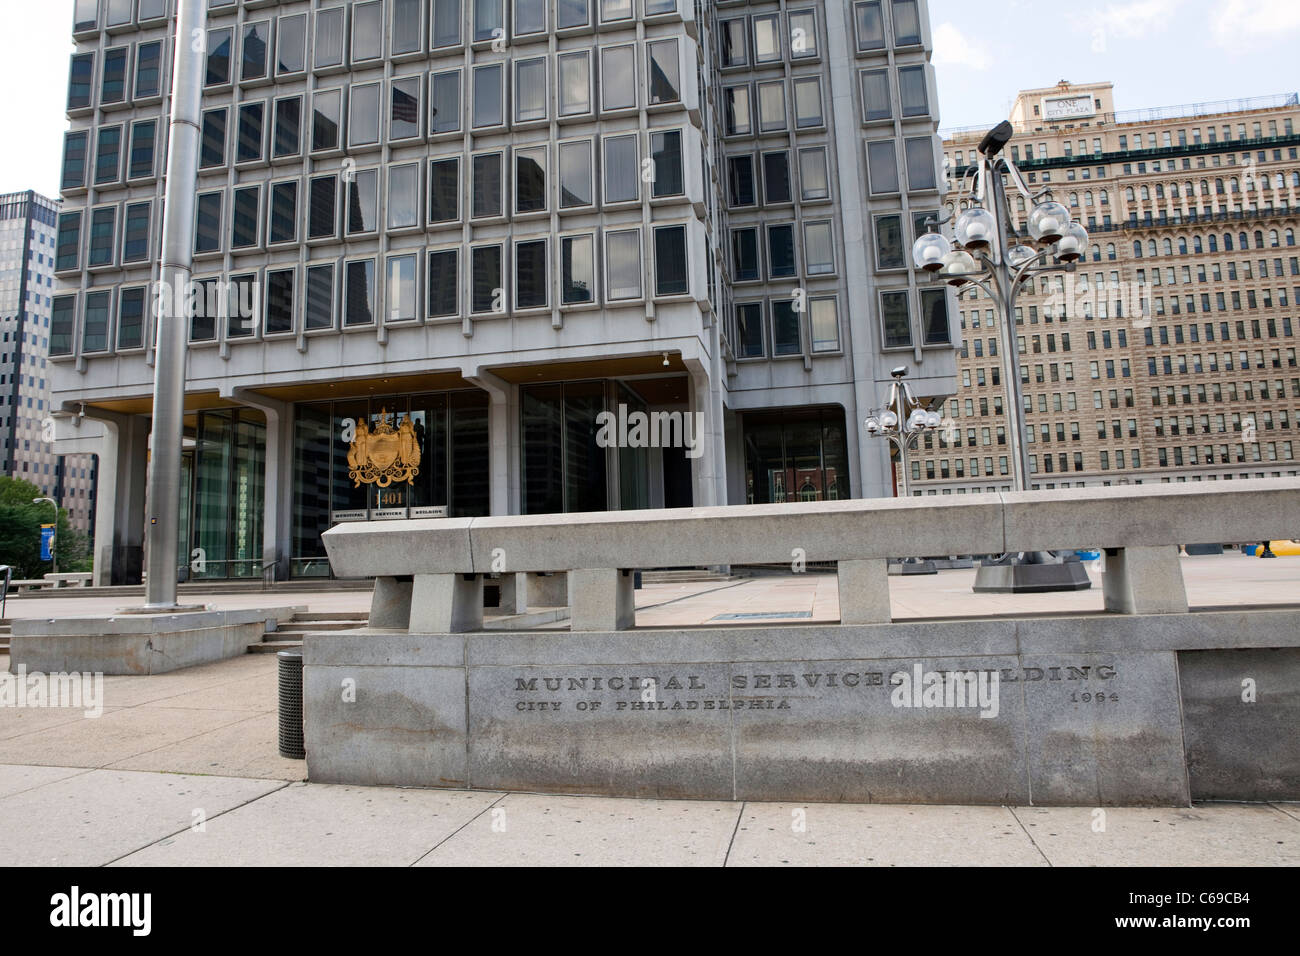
<point>951,48</point>
<point>1130,20</point>
<point>1240,24</point>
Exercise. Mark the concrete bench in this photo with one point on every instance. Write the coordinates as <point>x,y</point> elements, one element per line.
<point>79,579</point>
<point>429,573</point>
<point>30,584</point>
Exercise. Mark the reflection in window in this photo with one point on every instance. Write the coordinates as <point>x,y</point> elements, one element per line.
<point>359,293</point>
<point>895,321</point>
<point>623,264</point>
<point>444,297</point>
<point>444,190</point>
<point>577,270</point>
<point>575,175</point>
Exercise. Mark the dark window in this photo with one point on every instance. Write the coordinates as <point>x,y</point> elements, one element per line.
<point>113,86</point>
<point>780,251</point>
<point>670,261</point>
<point>485,288</point>
<point>487,185</point>
<point>212,148</point>
<point>327,110</point>
<point>103,224</point>
<point>68,250</point>
<point>288,126</point>
<point>279,301</point>
<point>444,190</point>
<point>322,218</point>
<point>135,233</point>
<point>359,293</point>
<point>785,328</point>
<point>444,298</point>
<point>74,161</point>
<point>143,135</point>
<point>889,242</point>
<point>243,217</point>
<point>108,155</point>
<point>80,77</point>
<point>207,233</point>
<point>666,151</point>
<point>934,313</point>
<point>740,179</point>
<point>530,274</point>
<point>744,247</point>
<point>291,45</point>
<point>749,329</point>
<point>94,333</point>
<point>284,212</point>
<point>404,109</point>
<point>776,178</point>
<point>253,61</point>
<point>130,318</point>
<point>895,320</point>
<point>530,180</point>
<point>320,297</point>
<point>218,68</point>
<point>251,139</point>
<point>62,323</point>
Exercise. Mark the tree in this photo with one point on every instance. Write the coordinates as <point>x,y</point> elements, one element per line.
<point>20,532</point>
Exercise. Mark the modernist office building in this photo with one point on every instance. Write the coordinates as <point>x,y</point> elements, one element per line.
<point>27,232</point>
<point>466,227</point>
<point>1170,355</point>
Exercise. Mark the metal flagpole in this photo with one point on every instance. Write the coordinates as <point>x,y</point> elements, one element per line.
<point>170,305</point>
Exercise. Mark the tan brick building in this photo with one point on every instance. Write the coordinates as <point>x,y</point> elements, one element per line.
<point>1170,353</point>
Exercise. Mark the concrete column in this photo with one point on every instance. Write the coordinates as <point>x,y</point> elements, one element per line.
<point>546,590</point>
<point>391,604</point>
<point>277,491</point>
<point>446,603</point>
<point>864,591</point>
<point>502,454</point>
<point>1144,581</point>
<point>602,600</point>
<point>512,594</point>
<point>708,469</point>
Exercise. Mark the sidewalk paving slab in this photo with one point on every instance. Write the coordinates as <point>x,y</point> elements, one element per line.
<point>92,818</point>
<point>840,834</point>
<point>526,829</point>
<point>1207,834</point>
<point>323,825</point>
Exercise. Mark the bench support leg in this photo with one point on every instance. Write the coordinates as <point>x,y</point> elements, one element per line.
<point>602,600</point>
<point>1144,581</point>
<point>446,603</point>
<point>391,604</point>
<point>547,590</point>
<point>864,591</point>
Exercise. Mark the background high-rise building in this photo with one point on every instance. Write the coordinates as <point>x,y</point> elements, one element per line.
<point>1170,355</point>
<point>27,230</point>
<point>495,219</point>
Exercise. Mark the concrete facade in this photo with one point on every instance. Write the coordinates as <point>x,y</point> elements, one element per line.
<point>686,201</point>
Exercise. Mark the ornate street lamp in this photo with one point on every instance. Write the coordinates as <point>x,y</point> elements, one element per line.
<point>986,251</point>
<point>902,421</point>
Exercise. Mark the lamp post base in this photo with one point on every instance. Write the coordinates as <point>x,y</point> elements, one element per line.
<point>1016,575</point>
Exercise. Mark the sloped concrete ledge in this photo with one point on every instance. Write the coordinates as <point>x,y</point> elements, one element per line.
<point>138,644</point>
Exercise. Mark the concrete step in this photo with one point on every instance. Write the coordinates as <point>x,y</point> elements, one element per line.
<point>271,647</point>
<point>331,616</point>
<point>332,624</point>
<point>678,577</point>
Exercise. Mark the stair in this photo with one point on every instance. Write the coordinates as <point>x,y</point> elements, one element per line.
<point>5,631</point>
<point>288,636</point>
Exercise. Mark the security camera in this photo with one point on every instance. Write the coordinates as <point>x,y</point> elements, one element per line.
<point>899,372</point>
<point>995,139</point>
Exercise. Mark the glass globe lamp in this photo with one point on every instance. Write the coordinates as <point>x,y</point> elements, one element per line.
<point>1048,222</point>
<point>1073,246</point>
<point>929,250</point>
<point>975,228</point>
<point>955,264</point>
<point>1019,254</point>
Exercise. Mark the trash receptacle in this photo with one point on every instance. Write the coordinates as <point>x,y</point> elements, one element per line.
<point>291,742</point>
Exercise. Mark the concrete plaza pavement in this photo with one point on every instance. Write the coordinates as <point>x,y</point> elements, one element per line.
<point>183,769</point>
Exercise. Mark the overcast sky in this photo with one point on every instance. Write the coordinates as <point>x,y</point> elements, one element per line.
<point>1157,52</point>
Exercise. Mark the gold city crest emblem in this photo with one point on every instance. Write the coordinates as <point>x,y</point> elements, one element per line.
<point>383,454</point>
